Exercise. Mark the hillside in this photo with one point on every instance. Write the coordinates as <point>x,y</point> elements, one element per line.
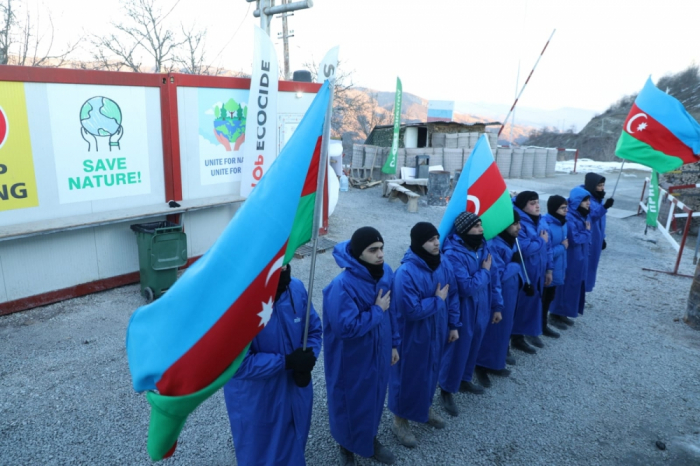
<point>413,110</point>
<point>598,138</point>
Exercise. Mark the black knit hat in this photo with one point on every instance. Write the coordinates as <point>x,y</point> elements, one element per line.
<point>422,232</point>
<point>554,202</point>
<point>362,238</point>
<point>516,216</point>
<point>524,197</point>
<point>465,221</point>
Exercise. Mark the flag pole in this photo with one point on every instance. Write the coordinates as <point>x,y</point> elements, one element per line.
<point>318,206</point>
<point>618,178</point>
<point>525,85</point>
<point>522,261</point>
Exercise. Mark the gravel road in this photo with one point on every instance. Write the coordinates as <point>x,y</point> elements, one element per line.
<point>624,377</point>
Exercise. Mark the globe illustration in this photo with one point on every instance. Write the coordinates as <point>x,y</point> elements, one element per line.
<point>101,116</point>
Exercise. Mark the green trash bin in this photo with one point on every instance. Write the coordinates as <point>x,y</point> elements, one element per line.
<point>162,250</point>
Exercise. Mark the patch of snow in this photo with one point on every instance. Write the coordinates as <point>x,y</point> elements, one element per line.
<point>588,165</point>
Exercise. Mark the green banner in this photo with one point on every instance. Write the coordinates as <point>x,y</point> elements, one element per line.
<point>390,165</point>
<point>653,200</point>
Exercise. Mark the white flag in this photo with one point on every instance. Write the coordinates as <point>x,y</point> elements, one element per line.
<point>261,120</point>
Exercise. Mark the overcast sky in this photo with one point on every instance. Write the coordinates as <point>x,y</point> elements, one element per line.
<point>460,50</point>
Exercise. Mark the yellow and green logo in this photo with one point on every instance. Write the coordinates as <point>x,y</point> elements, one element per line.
<point>17,180</point>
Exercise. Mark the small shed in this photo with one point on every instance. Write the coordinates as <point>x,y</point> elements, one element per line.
<point>417,135</point>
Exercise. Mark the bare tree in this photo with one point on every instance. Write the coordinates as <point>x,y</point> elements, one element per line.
<point>28,42</point>
<point>345,100</point>
<point>33,48</point>
<point>192,59</point>
<point>143,29</point>
<point>9,22</point>
<point>370,114</point>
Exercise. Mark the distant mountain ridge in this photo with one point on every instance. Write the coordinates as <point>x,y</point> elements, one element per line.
<point>598,138</point>
<point>414,109</point>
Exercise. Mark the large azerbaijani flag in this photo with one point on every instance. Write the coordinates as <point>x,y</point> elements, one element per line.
<point>482,190</point>
<point>190,342</point>
<point>659,132</point>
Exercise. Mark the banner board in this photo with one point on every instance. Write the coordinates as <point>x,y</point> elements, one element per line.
<point>17,180</point>
<point>99,141</point>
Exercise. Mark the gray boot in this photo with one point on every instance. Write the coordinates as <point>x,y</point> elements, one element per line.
<point>382,453</point>
<point>435,420</point>
<point>403,432</point>
<point>448,402</point>
<point>347,458</point>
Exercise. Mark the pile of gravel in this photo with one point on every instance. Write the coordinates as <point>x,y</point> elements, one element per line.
<point>624,377</point>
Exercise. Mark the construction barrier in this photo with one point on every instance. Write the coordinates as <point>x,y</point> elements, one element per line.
<point>677,209</point>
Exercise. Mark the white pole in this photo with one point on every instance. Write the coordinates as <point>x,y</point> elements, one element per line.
<point>522,261</point>
<point>318,206</point>
<point>618,178</point>
<point>525,85</point>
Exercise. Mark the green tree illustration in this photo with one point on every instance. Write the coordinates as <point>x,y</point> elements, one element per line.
<point>231,106</point>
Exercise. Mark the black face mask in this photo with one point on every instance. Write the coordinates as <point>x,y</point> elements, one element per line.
<point>559,217</point>
<point>433,261</point>
<point>583,211</point>
<point>285,280</point>
<point>473,242</point>
<point>507,237</point>
<point>599,195</point>
<point>376,270</point>
<point>535,218</point>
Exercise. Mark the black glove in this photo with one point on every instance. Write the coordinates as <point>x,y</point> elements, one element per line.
<point>516,257</point>
<point>300,360</point>
<point>609,203</point>
<point>605,245</point>
<point>529,289</point>
<point>302,379</point>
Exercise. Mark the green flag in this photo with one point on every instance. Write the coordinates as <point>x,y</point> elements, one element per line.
<point>390,166</point>
<point>653,200</point>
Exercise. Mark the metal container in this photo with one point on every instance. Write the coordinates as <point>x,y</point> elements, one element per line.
<point>438,187</point>
<point>422,166</point>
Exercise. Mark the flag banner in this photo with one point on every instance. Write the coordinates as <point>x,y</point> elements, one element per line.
<point>261,124</point>
<point>190,342</point>
<point>653,200</point>
<point>481,190</point>
<point>659,132</point>
<point>327,71</point>
<point>390,165</point>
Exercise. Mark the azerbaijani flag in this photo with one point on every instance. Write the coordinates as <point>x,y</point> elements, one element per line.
<point>481,190</point>
<point>659,132</point>
<point>190,342</point>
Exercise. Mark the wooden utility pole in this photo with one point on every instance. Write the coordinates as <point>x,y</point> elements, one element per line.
<point>285,41</point>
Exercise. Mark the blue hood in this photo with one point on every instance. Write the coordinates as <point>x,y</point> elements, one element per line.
<point>576,197</point>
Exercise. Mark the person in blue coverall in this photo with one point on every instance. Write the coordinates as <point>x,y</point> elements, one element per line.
<point>269,399</point>
<point>595,185</point>
<point>569,303</point>
<point>533,238</point>
<point>360,344</point>
<point>557,207</point>
<point>478,287</point>
<point>506,263</point>
<point>428,315</point>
